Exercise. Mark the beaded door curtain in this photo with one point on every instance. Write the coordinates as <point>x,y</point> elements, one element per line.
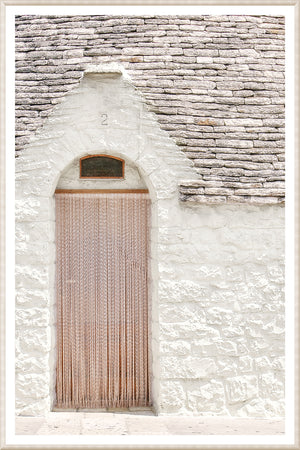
<point>102,242</point>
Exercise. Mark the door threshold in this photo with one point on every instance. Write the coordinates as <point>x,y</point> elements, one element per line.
<point>132,410</point>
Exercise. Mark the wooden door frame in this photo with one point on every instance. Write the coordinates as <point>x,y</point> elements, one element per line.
<point>101,191</point>
<point>149,302</point>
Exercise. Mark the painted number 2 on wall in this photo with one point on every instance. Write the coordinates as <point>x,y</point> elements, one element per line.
<point>104,119</point>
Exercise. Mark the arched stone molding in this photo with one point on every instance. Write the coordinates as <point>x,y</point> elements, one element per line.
<point>106,115</point>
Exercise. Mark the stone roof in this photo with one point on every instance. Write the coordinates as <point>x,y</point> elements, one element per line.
<point>216,84</point>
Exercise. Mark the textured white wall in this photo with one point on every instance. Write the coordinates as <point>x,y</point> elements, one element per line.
<point>221,310</point>
<point>217,271</point>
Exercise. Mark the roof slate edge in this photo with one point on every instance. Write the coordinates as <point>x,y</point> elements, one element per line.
<point>199,191</point>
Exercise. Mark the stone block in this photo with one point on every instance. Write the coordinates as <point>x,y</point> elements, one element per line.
<point>187,331</point>
<point>187,368</point>
<point>233,331</point>
<point>249,52</point>
<point>261,192</point>
<point>32,277</point>
<point>204,198</point>
<point>35,253</point>
<point>181,291</point>
<point>234,143</point>
<point>200,84</point>
<point>75,53</point>
<point>181,313</point>
<point>33,208</point>
<point>33,340</point>
<point>244,122</point>
<point>218,191</point>
<point>273,122</point>
<point>275,326</point>
<point>278,363</point>
<point>227,348</point>
<point>35,386</point>
<point>208,398</point>
<point>262,408</point>
<point>27,364</point>
<point>260,111</point>
<point>180,348</point>
<point>230,85</point>
<point>32,297</point>
<point>242,388</point>
<point>34,408</point>
<point>173,396</point>
<point>229,53</point>
<point>245,364</point>
<point>205,60</point>
<point>35,231</point>
<point>219,316</point>
<point>258,101</point>
<point>32,317</point>
<point>227,366</point>
<point>207,163</point>
<point>262,363</point>
<point>37,185</point>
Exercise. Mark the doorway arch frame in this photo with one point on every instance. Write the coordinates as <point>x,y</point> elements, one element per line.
<point>152,288</point>
<point>72,131</point>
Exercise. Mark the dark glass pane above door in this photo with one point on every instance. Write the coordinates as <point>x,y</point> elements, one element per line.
<point>101,166</point>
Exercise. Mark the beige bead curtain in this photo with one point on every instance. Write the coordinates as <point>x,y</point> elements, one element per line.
<point>102,300</point>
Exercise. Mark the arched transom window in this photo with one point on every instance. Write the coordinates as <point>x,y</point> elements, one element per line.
<point>101,166</point>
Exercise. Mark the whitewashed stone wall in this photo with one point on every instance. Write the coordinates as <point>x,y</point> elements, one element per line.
<point>221,310</point>
<point>217,271</point>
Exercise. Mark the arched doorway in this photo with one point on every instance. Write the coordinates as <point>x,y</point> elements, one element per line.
<point>102,271</point>
<point>51,162</point>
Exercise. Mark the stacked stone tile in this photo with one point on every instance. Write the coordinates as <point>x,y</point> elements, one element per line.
<point>216,84</point>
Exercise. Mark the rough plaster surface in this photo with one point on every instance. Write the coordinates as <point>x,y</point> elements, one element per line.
<point>215,83</point>
<point>221,310</point>
<point>217,302</point>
